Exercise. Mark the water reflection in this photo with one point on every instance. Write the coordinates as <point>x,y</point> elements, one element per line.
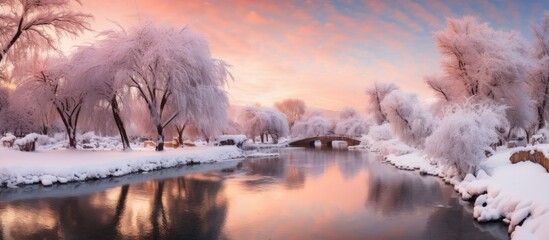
<point>304,194</point>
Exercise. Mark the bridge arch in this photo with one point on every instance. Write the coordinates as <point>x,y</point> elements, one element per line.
<point>325,141</point>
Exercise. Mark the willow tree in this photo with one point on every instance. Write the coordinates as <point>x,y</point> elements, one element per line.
<point>375,94</point>
<point>51,82</point>
<point>292,108</point>
<point>485,65</point>
<point>28,27</point>
<point>172,71</point>
<point>98,66</point>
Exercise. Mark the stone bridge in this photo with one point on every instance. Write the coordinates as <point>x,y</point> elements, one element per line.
<point>325,140</point>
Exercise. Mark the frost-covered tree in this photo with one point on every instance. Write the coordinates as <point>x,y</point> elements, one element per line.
<point>52,82</point>
<point>292,108</point>
<point>97,66</point>
<point>351,123</point>
<point>483,64</point>
<point>18,120</point>
<point>313,123</point>
<point>33,115</point>
<point>539,73</point>
<point>170,66</point>
<point>464,134</point>
<point>232,128</point>
<point>408,118</point>
<point>375,94</point>
<point>28,27</point>
<point>258,121</point>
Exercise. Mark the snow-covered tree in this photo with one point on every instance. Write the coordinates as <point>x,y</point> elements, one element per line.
<point>97,66</point>
<point>313,123</point>
<point>483,64</point>
<point>18,120</point>
<point>351,123</point>
<point>465,133</point>
<point>170,66</point>
<point>258,121</point>
<point>232,128</point>
<point>408,118</point>
<point>51,82</point>
<point>292,108</point>
<point>375,94</point>
<point>539,73</point>
<point>28,27</point>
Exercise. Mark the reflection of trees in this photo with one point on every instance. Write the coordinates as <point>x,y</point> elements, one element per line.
<point>391,193</point>
<point>274,171</point>
<point>350,163</point>
<point>291,169</point>
<point>197,210</point>
<point>188,207</point>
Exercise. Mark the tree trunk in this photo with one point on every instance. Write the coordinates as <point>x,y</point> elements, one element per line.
<point>160,143</point>
<point>180,130</point>
<point>541,109</point>
<point>72,137</point>
<point>262,139</point>
<point>120,124</point>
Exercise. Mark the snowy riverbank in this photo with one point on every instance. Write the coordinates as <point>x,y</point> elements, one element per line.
<point>48,167</point>
<point>514,193</point>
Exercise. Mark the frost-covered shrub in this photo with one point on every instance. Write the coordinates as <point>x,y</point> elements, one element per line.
<point>27,143</point>
<point>408,118</point>
<point>464,134</point>
<point>7,140</point>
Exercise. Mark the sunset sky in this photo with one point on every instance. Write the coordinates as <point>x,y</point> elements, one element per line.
<point>325,53</point>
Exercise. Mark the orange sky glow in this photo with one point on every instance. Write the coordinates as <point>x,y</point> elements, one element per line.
<point>326,53</point>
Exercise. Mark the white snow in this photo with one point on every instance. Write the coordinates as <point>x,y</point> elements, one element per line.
<point>48,167</point>
<point>235,138</point>
<point>7,138</point>
<point>514,193</point>
<point>27,139</point>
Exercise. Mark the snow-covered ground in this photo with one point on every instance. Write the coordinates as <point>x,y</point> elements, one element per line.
<point>51,166</point>
<point>514,193</point>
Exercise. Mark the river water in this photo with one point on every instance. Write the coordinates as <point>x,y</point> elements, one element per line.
<point>303,194</point>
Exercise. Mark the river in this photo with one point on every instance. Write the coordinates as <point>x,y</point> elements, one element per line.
<point>303,194</point>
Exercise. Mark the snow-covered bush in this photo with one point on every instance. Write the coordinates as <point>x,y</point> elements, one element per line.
<point>7,140</point>
<point>464,134</point>
<point>408,118</point>
<point>27,143</point>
